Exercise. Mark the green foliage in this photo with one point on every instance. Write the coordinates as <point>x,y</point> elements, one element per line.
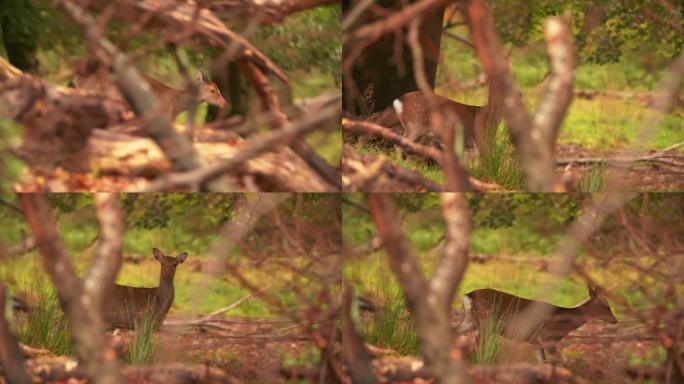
<point>305,41</point>
<point>603,30</point>
<point>10,166</point>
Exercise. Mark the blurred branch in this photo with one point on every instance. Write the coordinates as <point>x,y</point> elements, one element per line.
<point>82,306</point>
<point>372,129</point>
<point>355,353</point>
<point>356,41</point>
<point>531,142</point>
<point>10,355</point>
<point>278,120</point>
<point>414,178</point>
<point>427,300</point>
<point>108,254</point>
<point>557,93</point>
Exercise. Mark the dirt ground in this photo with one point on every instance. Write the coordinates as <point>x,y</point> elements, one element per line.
<point>252,350</point>
<point>656,176</point>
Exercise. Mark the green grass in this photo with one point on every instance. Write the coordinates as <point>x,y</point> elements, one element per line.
<point>141,349</point>
<point>601,124</point>
<point>498,163</point>
<point>489,342</point>
<point>46,324</point>
<point>390,326</point>
<point>592,179</point>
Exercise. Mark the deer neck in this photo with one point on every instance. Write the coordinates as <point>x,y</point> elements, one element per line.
<point>184,100</point>
<point>165,289</point>
<point>566,320</point>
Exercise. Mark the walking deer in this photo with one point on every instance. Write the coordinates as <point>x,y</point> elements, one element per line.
<point>484,306</point>
<point>413,112</point>
<point>128,306</point>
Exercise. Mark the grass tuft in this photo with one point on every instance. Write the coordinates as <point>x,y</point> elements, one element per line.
<point>489,343</point>
<point>592,180</point>
<point>499,162</point>
<point>391,326</point>
<point>141,350</point>
<point>46,325</point>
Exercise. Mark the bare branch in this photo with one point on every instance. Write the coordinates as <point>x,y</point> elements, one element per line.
<point>557,93</point>
<point>355,353</point>
<point>426,299</point>
<point>10,355</point>
<point>177,16</point>
<point>108,255</point>
<point>84,314</point>
<point>454,259</point>
<point>535,155</point>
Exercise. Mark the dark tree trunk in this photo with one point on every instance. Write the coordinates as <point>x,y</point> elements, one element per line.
<point>17,29</point>
<point>383,72</point>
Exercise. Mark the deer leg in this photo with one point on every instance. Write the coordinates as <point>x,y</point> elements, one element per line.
<point>412,135</point>
<point>468,323</point>
<point>540,355</point>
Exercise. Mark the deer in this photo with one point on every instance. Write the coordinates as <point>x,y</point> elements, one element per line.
<point>482,306</point>
<point>413,111</point>
<point>127,306</point>
<point>91,75</point>
<point>174,101</point>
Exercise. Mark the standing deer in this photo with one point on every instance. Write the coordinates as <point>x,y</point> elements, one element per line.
<point>128,306</point>
<point>484,306</point>
<point>174,101</point>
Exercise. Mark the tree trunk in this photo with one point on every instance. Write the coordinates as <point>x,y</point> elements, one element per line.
<point>382,73</point>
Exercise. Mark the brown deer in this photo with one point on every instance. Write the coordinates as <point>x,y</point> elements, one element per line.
<point>92,76</point>
<point>413,111</point>
<point>174,101</point>
<point>482,307</point>
<point>128,306</point>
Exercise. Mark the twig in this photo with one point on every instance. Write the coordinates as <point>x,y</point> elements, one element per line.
<point>459,38</point>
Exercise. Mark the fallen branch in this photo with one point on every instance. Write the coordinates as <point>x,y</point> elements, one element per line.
<point>658,156</point>
<point>255,146</point>
<point>371,129</point>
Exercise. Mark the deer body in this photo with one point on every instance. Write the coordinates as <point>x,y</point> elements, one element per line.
<point>414,113</point>
<point>485,305</point>
<point>128,306</point>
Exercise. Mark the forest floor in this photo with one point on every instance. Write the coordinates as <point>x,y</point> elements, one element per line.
<point>252,350</point>
<point>652,176</point>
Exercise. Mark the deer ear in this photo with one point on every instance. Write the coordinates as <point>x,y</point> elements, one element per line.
<point>593,291</point>
<point>181,258</point>
<point>199,77</point>
<point>157,254</point>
